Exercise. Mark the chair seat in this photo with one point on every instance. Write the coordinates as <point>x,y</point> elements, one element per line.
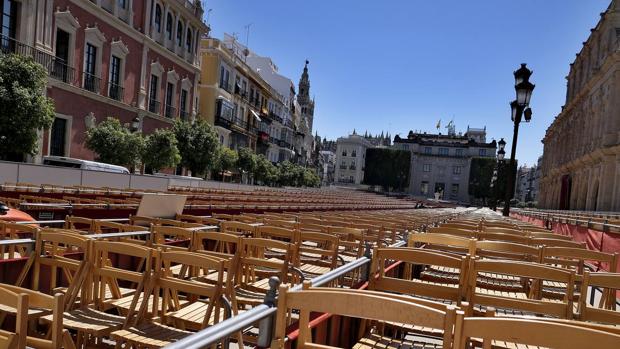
<point>150,335</point>
<point>193,315</point>
<point>124,303</point>
<point>374,341</point>
<point>89,320</point>
<point>313,270</point>
<point>33,313</point>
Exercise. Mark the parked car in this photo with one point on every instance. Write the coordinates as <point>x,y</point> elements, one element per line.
<point>62,161</point>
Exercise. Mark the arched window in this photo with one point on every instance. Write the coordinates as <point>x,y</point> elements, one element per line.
<point>179,34</point>
<point>169,26</point>
<point>158,18</point>
<point>188,40</point>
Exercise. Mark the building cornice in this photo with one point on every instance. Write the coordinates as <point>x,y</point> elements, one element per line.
<point>135,34</point>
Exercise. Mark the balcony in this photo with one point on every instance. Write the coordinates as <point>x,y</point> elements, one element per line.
<point>56,68</point>
<point>154,106</point>
<point>226,87</point>
<point>116,91</point>
<point>275,117</point>
<point>90,82</point>
<point>171,111</point>
<point>289,123</point>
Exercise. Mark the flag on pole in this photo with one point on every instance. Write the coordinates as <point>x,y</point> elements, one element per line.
<point>438,124</point>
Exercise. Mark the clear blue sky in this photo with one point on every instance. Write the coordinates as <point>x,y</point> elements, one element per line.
<point>398,65</point>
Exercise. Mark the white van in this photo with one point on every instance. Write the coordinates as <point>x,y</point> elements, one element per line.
<point>62,161</point>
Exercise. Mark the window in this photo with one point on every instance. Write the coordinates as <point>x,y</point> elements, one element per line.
<point>90,80</point>
<point>7,24</point>
<point>158,18</point>
<point>344,153</point>
<point>424,188</point>
<point>426,168</point>
<point>183,105</point>
<point>122,4</point>
<point>221,140</point>
<point>354,153</point>
<point>60,63</point>
<point>188,40</point>
<point>444,151</point>
<point>224,78</point>
<point>169,26</point>
<point>153,103</point>
<point>482,152</point>
<point>457,170</point>
<point>455,190</point>
<point>179,34</point>
<point>459,152</point>
<point>428,150</point>
<point>57,137</point>
<point>116,91</point>
<point>170,100</point>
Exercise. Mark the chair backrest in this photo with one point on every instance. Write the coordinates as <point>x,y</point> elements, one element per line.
<point>444,242</point>
<point>277,233</point>
<point>162,236</point>
<point>503,230</point>
<point>367,305</point>
<point>461,225</point>
<point>412,281</point>
<point>55,304</point>
<point>80,223</point>
<point>8,231</point>
<point>507,250</point>
<point>106,275</point>
<point>238,228</point>
<point>531,277</point>
<point>530,332</point>
<point>557,243</point>
<point>143,220</point>
<point>318,249</point>
<point>517,239</point>
<point>19,302</point>
<point>215,241</point>
<point>172,285</point>
<point>606,312</point>
<point>276,222</point>
<point>577,258</point>
<point>537,235</point>
<point>453,231</point>
<point>254,265</point>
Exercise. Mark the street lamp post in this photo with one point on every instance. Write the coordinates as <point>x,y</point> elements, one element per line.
<point>500,159</point>
<point>519,109</point>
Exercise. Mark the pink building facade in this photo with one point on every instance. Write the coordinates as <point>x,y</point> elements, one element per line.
<point>135,60</point>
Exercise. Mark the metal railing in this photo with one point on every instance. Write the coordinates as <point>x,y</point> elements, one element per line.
<point>264,312</point>
<point>57,68</point>
<point>170,111</point>
<point>116,91</point>
<point>154,106</point>
<point>90,82</point>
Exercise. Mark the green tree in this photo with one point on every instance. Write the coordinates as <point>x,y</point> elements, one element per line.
<point>198,145</point>
<point>266,172</point>
<point>388,168</point>
<point>480,173</point>
<point>226,160</point>
<point>160,150</point>
<point>311,178</point>
<point>288,174</point>
<point>246,161</point>
<point>24,109</point>
<point>115,144</point>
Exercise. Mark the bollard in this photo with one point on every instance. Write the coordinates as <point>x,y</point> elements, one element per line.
<point>265,326</point>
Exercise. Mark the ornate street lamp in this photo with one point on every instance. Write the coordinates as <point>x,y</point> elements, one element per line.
<point>518,107</point>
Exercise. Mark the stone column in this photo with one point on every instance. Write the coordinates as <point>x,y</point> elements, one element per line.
<point>606,189</point>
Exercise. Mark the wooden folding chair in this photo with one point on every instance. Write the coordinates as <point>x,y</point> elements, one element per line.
<point>453,231</point>
<point>530,333</point>
<point>317,253</point>
<point>85,225</point>
<point>8,231</point>
<point>176,317</point>
<point>524,297</point>
<point>238,228</point>
<point>557,243</point>
<point>366,305</point>
<point>608,284</point>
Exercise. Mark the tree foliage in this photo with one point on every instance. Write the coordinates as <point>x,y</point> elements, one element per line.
<point>311,178</point>
<point>226,160</point>
<point>24,109</point>
<point>265,173</point>
<point>198,145</point>
<point>246,160</point>
<point>161,150</point>
<point>388,168</point>
<point>480,173</point>
<point>115,144</point>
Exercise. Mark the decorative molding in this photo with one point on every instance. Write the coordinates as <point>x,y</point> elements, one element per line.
<point>157,68</point>
<point>172,77</point>
<point>65,20</point>
<point>93,34</point>
<point>119,48</point>
<point>186,84</point>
